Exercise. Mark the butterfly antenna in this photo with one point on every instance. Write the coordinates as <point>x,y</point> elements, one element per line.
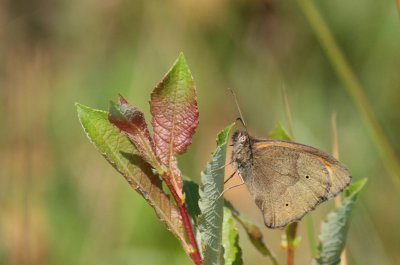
<point>287,110</point>
<point>241,119</point>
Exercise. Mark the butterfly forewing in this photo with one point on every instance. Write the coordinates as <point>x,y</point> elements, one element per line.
<point>339,175</point>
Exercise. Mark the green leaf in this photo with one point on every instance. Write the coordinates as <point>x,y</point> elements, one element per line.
<point>126,159</point>
<point>278,133</point>
<point>175,115</point>
<point>334,229</point>
<point>230,240</point>
<point>211,203</point>
<point>253,232</point>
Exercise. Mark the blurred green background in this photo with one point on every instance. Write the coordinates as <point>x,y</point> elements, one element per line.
<point>62,203</point>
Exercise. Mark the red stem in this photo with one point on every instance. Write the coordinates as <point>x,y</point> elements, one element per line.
<point>290,256</point>
<point>195,254</point>
<point>291,232</point>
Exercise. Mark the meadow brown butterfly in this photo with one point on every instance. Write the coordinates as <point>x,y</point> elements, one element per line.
<point>286,179</point>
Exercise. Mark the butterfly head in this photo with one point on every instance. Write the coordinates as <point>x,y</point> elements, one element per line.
<point>240,138</point>
<point>241,152</point>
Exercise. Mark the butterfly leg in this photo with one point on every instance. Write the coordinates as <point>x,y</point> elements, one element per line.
<point>219,168</point>
<point>233,174</point>
<point>234,186</point>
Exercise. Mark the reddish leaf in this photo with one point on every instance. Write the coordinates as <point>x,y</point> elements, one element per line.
<point>131,121</point>
<point>175,116</point>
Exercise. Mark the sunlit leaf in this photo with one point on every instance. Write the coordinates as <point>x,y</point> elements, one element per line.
<point>334,229</point>
<point>126,159</point>
<point>175,116</point>
<point>211,204</point>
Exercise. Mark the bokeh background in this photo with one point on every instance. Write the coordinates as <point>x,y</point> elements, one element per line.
<point>62,203</point>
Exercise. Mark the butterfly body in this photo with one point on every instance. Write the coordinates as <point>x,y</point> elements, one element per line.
<point>286,179</point>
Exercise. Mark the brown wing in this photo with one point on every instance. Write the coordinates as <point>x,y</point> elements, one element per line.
<point>288,180</point>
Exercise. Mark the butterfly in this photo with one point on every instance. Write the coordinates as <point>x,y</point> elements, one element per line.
<point>286,179</point>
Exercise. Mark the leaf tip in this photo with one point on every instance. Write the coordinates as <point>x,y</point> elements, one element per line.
<point>180,62</point>
<point>122,100</point>
<point>355,188</point>
<point>279,133</point>
<point>80,108</point>
<point>224,134</point>
<point>181,57</point>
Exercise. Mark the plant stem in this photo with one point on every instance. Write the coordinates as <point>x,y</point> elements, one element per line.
<point>291,232</point>
<point>290,257</point>
<point>353,87</point>
<point>335,154</point>
<point>194,253</point>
